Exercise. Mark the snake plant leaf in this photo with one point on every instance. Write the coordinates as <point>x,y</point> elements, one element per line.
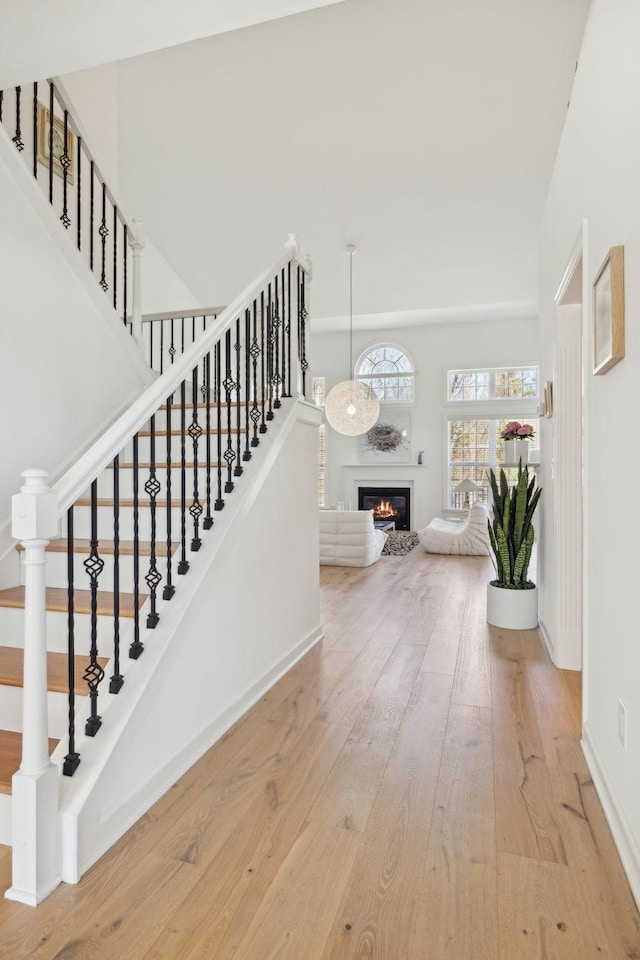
<point>511,532</point>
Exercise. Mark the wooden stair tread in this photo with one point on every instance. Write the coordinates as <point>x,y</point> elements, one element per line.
<point>11,755</point>
<point>142,502</point>
<point>178,433</point>
<point>11,670</point>
<point>161,465</point>
<point>106,547</point>
<point>57,601</point>
<point>202,406</point>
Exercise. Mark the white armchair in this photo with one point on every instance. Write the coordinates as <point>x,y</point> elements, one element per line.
<point>348,538</point>
<point>470,538</point>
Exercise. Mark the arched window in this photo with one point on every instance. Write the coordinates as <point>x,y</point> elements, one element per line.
<point>389,372</point>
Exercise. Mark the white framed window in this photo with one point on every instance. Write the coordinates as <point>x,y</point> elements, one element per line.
<point>475,446</point>
<point>319,390</point>
<point>506,383</point>
<point>389,372</point>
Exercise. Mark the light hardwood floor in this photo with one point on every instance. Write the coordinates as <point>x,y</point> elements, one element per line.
<point>413,789</point>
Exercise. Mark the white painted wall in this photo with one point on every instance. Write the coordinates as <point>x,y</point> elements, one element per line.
<point>248,608</point>
<point>434,349</point>
<point>92,96</point>
<point>67,365</point>
<point>423,132</point>
<point>596,176</point>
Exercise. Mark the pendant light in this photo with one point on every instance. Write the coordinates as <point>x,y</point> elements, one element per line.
<point>351,406</point>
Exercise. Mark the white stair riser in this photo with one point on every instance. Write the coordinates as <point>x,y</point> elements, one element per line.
<point>12,627</point>
<point>125,481</point>
<point>57,574</point>
<point>144,447</point>
<point>82,523</point>
<point>57,710</point>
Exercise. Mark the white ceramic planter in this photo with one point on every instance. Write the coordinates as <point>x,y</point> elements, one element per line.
<point>516,451</point>
<point>512,609</point>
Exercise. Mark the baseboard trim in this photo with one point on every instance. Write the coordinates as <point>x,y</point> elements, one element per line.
<point>622,836</point>
<point>546,639</point>
<point>116,821</point>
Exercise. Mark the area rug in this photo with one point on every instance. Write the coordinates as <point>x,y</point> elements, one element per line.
<point>399,543</point>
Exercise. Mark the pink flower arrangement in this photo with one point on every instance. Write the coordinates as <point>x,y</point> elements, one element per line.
<point>517,431</point>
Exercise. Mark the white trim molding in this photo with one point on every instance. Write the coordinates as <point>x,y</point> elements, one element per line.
<point>622,836</point>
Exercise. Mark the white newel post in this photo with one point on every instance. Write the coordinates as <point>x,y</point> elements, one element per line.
<point>136,242</point>
<point>35,785</point>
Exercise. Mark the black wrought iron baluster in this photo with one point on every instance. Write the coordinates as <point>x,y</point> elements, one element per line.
<point>237,471</point>
<point>275,324</point>
<point>302,329</point>
<point>247,383</point>
<point>152,488</point>
<point>72,759</point>
<point>269,344</point>
<point>79,195</point>
<point>283,328</point>
<point>255,353</point>
<point>219,504</point>
<point>169,588</point>
<point>208,520</point>
<point>94,565</point>
<point>18,137</point>
<point>1,103</point>
<point>91,206</point>
<point>288,329</point>
<point>65,163</point>
<point>104,233</point>
<point>193,329</point>
<point>115,258</point>
<point>151,329</point>
<point>183,565</point>
<point>182,336</point>
<point>35,130</point>
<point>162,346</point>
<point>50,138</point>
<point>117,680</point>
<point>172,348</point>
<point>263,361</point>
<point>136,647</point>
<point>228,384</point>
<point>195,432</point>
<point>125,252</point>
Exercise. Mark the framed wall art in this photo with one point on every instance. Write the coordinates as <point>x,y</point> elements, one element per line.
<point>608,312</point>
<point>389,440</point>
<point>58,143</point>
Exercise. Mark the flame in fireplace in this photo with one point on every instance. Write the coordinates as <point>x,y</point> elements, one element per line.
<point>384,511</point>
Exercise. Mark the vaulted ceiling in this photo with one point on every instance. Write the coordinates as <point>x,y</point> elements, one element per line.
<point>424,131</point>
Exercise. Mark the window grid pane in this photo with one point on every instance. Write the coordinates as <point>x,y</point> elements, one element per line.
<point>474,447</point>
<point>507,384</point>
<point>388,372</point>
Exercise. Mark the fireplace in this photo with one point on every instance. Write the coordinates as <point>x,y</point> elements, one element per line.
<point>387,503</point>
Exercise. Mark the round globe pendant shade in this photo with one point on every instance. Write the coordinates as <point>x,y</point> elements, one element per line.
<point>351,408</point>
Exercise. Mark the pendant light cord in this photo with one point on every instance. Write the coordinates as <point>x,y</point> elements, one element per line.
<point>351,374</point>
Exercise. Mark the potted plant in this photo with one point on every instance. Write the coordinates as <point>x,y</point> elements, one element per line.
<point>512,599</point>
<point>516,436</point>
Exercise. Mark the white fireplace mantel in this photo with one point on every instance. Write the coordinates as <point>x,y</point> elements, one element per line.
<point>356,475</point>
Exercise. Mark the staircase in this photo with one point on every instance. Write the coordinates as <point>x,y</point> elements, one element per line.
<point>151,608</point>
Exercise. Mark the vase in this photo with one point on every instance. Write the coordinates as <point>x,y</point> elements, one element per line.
<point>516,451</point>
<point>512,609</point>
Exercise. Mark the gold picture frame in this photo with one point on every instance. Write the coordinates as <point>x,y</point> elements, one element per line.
<point>608,312</point>
<point>547,399</point>
<point>58,144</point>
